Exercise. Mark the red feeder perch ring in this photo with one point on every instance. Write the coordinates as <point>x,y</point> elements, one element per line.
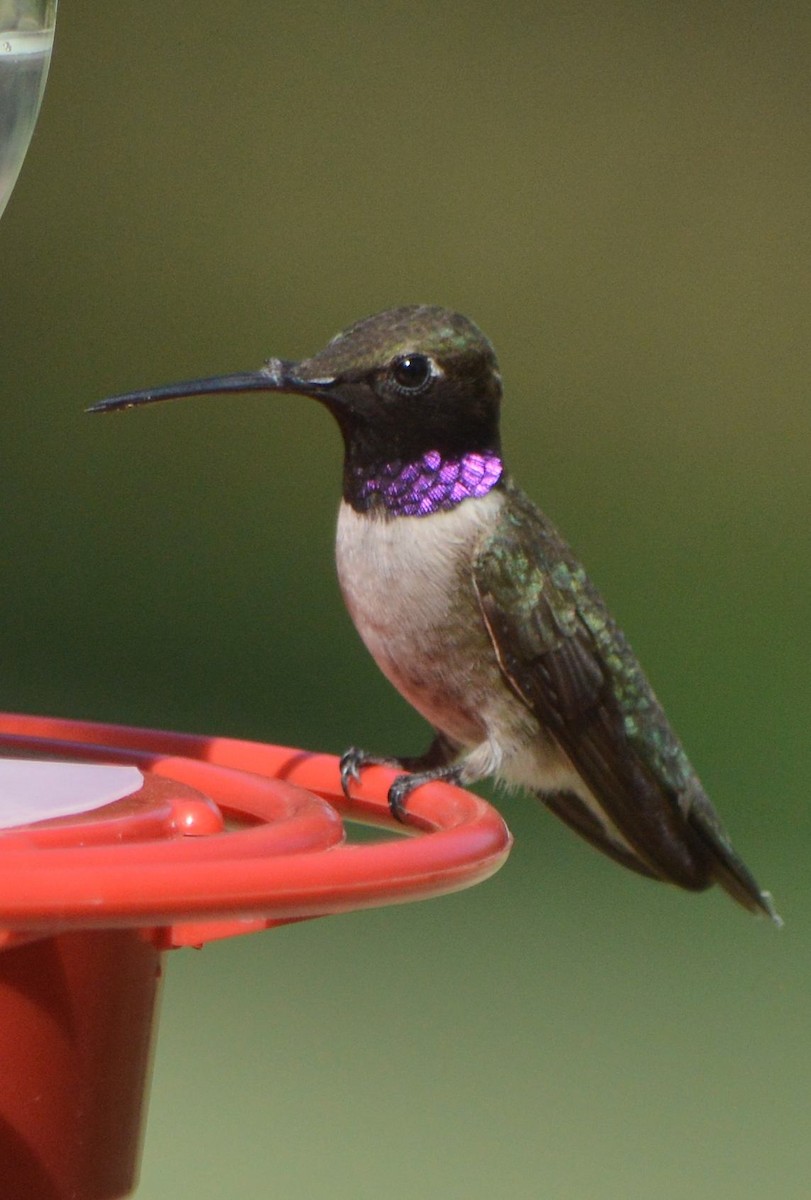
<point>212,837</point>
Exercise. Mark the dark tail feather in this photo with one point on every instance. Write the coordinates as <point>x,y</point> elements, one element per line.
<point>727,868</point>
<point>712,849</point>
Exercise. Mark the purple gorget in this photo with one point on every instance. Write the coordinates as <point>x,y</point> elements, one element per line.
<point>428,485</point>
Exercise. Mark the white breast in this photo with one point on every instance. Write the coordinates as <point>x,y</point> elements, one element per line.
<point>408,585</point>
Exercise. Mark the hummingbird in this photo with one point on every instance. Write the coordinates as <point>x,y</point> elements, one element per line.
<point>476,609</point>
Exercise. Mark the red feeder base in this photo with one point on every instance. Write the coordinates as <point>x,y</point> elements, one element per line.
<point>219,837</point>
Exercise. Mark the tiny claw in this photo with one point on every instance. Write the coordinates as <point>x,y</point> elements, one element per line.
<point>351,764</point>
<point>398,795</point>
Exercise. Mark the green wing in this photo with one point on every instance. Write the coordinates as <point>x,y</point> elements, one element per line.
<point>567,660</point>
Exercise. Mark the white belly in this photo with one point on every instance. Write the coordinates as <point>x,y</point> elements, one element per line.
<point>408,585</point>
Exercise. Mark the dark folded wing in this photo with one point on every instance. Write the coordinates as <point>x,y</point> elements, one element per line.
<point>566,659</point>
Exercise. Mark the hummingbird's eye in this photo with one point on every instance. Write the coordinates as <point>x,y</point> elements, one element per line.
<point>412,372</point>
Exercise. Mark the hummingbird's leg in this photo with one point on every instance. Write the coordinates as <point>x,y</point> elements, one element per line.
<point>439,755</point>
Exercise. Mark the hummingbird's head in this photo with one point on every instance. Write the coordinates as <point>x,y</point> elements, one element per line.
<point>414,390</point>
<point>407,381</point>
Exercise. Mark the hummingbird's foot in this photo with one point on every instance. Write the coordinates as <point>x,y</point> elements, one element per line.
<point>354,760</point>
<point>404,785</point>
<point>439,754</point>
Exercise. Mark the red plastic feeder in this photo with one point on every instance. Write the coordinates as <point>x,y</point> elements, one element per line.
<point>175,841</point>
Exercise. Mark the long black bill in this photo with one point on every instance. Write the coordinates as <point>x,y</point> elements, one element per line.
<point>275,376</point>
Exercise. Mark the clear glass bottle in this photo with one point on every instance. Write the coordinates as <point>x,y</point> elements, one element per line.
<point>26,40</point>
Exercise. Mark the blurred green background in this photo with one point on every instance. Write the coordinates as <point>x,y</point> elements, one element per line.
<point>619,195</point>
